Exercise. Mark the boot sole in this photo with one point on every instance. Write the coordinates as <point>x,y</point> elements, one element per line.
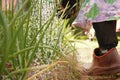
<point>105,71</point>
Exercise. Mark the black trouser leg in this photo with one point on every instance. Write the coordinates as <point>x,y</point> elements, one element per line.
<point>106,34</point>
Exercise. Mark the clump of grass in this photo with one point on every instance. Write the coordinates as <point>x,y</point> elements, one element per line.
<point>63,69</point>
<point>24,39</point>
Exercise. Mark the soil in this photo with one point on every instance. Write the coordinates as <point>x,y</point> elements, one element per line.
<point>73,69</point>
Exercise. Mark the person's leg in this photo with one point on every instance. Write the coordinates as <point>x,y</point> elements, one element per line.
<point>106,34</point>
<point>106,59</point>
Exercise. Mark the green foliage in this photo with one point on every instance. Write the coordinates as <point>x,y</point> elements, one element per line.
<point>25,36</point>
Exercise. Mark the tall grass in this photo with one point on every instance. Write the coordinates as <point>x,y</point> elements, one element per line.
<point>24,38</point>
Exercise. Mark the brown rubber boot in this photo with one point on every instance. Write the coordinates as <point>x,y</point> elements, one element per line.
<point>107,64</point>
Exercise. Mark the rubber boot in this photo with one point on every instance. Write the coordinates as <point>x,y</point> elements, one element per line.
<point>107,64</point>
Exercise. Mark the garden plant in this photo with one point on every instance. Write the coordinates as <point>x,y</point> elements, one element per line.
<point>31,46</point>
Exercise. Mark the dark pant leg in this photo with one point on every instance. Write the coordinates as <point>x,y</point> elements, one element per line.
<point>106,34</point>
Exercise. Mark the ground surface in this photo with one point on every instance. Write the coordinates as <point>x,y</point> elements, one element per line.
<point>85,50</point>
<point>84,56</point>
